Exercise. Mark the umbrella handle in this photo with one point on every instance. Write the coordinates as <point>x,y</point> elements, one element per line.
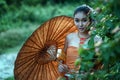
<point>59,61</point>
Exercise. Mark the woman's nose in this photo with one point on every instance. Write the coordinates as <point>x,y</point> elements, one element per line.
<point>80,24</point>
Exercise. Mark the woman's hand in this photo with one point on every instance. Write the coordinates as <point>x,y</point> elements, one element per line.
<point>52,52</point>
<point>62,68</point>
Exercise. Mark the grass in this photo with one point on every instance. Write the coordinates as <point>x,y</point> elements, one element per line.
<point>14,37</point>
<point>9,78</point>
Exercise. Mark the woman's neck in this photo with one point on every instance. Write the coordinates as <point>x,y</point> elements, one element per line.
<point>83,34</point>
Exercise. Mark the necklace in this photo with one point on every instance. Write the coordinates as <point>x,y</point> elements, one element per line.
<point>82,39</point>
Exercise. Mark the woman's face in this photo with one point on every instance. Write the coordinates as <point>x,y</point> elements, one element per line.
<point>81,21</point>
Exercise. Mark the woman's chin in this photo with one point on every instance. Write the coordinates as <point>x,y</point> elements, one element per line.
<point>81,30</point>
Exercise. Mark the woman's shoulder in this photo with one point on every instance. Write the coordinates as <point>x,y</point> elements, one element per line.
<point>71,34</point>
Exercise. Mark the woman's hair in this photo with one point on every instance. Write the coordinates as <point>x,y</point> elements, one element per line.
<point>86,10</point>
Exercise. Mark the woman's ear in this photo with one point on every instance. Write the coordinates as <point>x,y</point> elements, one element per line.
<point>88,26</point>
<point>91,25</point>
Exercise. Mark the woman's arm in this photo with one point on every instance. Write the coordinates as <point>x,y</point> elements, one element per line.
<point>62,56</point>
<point>62,67</point>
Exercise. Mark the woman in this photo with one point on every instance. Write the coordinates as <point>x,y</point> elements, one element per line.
<point>82,20</point>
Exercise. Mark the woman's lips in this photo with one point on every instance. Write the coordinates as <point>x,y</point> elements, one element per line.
<point>81,28</point>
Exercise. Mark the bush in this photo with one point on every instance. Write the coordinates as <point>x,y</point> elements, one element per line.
<point>14,37</point>
<point>108,27</point>
<point>10,78</point>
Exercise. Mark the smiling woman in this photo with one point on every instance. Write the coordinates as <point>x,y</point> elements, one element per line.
<point>82,21</point>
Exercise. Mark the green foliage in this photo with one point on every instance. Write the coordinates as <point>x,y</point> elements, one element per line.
<point>9,78</point>
<point>108,27</point>
<point>14,37</point>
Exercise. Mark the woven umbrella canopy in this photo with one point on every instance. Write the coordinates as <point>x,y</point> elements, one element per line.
<point>33,61</point>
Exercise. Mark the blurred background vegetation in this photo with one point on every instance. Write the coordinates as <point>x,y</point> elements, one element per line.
<point>19,18</point>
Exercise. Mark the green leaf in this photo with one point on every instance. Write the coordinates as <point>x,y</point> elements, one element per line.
<point>91,42</point>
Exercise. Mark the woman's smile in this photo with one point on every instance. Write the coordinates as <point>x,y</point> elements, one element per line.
<point>81,21</point>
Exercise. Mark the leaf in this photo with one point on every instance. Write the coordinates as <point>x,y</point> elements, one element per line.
<point>91,42</point>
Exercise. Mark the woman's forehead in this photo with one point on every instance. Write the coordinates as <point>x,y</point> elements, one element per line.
<point>80,15</point>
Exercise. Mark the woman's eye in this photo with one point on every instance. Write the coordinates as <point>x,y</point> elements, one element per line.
<point>84,20</point>
<point>76,20</point>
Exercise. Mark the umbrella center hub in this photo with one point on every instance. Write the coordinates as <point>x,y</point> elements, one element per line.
<point>48,53</point>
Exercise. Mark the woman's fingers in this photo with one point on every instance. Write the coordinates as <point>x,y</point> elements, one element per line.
<point>63,68</point>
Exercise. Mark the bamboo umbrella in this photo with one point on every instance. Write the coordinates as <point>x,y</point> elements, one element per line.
<point>33,61</point>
